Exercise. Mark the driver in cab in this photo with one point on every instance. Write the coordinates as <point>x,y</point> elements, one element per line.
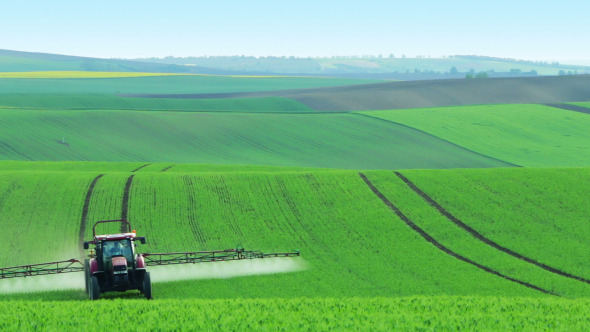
<point>116,250</point>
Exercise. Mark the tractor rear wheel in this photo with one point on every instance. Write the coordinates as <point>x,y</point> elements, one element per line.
<point>86,273</point>
<point>94,292</point>
<point>147,286</point>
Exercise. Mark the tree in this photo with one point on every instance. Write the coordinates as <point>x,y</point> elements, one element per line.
<point>454,70</point>
<point>481,74</point>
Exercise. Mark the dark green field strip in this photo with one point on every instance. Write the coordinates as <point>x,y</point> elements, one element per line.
<point>539,213</point>
<point>168,84</point>
<point>304,140</point>
<point>438,245</point>
<point>526,135</point>
<point>482,238</point>
<point>570,107</point>
<point>84,101</point>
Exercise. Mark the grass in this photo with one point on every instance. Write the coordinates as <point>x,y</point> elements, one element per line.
<point>385,314</point>
<point>526,135</point>
<point>112,102</point>
<point>303,140</point>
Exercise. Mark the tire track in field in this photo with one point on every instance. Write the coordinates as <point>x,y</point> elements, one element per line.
<point>125,206</point>
<point>482,238</point>
<point>438,245</point>
<point>569,107</point>
<point>140,167</point>
<point>84,217</point>
<point>167,168</point>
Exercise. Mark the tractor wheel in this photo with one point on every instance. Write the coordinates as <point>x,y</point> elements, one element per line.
<point>147,286</point>
<point>94,289</point>
<point>86,273</point>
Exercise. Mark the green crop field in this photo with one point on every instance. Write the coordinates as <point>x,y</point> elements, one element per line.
<point>363,265</point>
<point>411,219</point>
<point>308,140</point>
<point>525,135</point>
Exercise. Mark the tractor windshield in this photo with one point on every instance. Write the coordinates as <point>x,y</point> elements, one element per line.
<point>118,248</point>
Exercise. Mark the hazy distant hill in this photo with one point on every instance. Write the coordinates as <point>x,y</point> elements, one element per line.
<point>379,67</point>
<point>15,61</point>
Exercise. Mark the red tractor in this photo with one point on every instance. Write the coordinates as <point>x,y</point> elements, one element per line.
<point>113,264</point>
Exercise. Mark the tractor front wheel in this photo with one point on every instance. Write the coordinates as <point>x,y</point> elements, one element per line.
<point>147,286</point>
<point>94,288</point>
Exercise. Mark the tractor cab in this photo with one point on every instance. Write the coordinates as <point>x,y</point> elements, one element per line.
<point>113,264</point>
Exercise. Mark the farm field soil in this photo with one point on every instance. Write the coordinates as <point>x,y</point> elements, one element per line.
<point>176,84</point>
<point>525,135</point>
<point>408,313</point>
<point>354,245</point>
<point>305,140</point>
<point>112,102</point>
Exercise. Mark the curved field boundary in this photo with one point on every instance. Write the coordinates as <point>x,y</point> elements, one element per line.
<point>569,107</point>
<point>125,206</point>
<point>85,212</point>
<point>438,245</point>
<point>439,138</point>
<point>140,167</point>
<point>482,238</point>
<point>167,168</point>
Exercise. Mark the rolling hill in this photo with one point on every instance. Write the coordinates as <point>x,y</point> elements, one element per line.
<point>435,93</point>
<point>306,140</point>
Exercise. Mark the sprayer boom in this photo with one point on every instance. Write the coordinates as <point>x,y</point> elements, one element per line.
<point>72,265</point>
<point>209,256</point>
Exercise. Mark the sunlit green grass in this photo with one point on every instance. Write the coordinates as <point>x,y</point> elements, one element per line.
<point>526,135</point>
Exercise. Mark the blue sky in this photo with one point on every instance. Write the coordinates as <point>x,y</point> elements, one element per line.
<point>534,30</point>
